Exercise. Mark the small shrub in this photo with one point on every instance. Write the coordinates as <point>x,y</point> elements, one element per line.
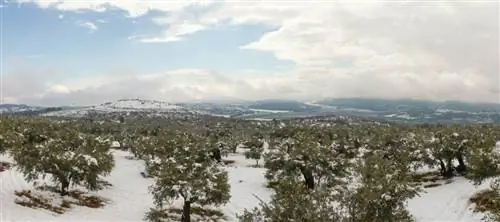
<point>272,184</point>
<point>34,201</point>
<point>431,185</point>
<point>486,201</point>
<point>426,177</point>
<point>228,162</point>
<point>66,204</point>
<point>5,166</point>
<point>91,202</point>
<point>174,214</point>
<point>30,199</point>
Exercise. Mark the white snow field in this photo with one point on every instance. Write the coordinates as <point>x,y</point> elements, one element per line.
<point>130,200</point>
<point>123,106</point>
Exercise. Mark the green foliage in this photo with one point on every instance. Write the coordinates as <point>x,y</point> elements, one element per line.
<point>483,160</point>
<point>383,188</point>
<point>222,138</point>
<point>488,202</point>
<point>297,153</point>
<point>8,136</point>
<point>494,212</point>
<point>294,202</point>
<point>379,183</point>
<point>320,170</point>
<point>255,148</point>
<point>189,172</point>
<point>62,152</point>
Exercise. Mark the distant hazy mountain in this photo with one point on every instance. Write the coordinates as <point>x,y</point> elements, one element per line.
<point>14,107</point>
<point>403,110</point>
<point>409,105</point>
<point>283,105</point>
<point>418,111</point>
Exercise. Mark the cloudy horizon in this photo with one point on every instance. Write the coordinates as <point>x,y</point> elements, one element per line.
<point>59,52</point>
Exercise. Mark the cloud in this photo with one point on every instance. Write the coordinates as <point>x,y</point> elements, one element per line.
<point>194,84</point>
<point>133,8</point>
<point>175,29</point>
<point>426,50</point>
<point>89,25</point>
<point>24,83</point>
<point>422,50</point>
<point>174,85</point>
<point>174,33</point>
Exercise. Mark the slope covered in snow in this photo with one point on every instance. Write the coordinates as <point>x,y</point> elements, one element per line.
<point>402,111</point>
<point>123,106</point>
<point>137,104</point>
<point>130,200</point>
<point>8,108</point>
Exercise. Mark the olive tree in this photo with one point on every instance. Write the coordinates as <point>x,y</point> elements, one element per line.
<point>63,153</point>
<point>379,191</point>
<point>190,173</point>
<point>298,152</point>
<point>295,202</point>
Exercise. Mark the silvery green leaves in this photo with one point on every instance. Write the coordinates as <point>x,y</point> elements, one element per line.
<point>61,151</point>
<point>188,172</point>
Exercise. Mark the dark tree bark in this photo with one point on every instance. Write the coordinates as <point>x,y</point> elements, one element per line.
<point>443,167</point>
<point>461,164</point>
<point>342,148</point>
<point>234,148</point>
<point>64,186</point>
<point>186,212</point>
<point>216,155</point>
<point>122,142</point>
<point>308,177</point>
<point>449,169</point>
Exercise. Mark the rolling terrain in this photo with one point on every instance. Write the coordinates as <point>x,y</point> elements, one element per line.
<point>401,111</point>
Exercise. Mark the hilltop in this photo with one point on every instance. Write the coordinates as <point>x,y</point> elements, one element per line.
<point>402,111</point>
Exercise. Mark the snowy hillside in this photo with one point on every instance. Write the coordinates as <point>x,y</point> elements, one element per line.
<point>120,106</point>
<point>7,108</point>
<point>129,199</point>
<point>400,111</point>
<point>137,104</point>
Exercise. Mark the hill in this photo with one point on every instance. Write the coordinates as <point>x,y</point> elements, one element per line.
<point>401,111</point>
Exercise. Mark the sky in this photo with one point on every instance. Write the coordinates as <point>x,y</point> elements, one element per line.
<point>85,52</point>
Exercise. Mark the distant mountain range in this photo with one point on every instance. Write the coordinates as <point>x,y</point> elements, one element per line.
<point>403,110</point>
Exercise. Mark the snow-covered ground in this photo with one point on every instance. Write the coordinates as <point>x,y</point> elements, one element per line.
<point>270,111</point>
<point>448,202</point>
<point>127,104</point>
<point>130,199</point>
<point>124,105</point>
<point>129,195</point>
<point>401,116</point>
<point>6,108</point>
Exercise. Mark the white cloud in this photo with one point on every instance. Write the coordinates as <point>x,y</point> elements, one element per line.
<point>59,89</point>
<point>133,8</point>
<point>175,32</point>
<point>89,25</point>
<point>307,83</point>
<point>428,50</point>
